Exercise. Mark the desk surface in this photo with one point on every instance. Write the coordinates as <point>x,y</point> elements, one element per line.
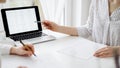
<point>51,55</point>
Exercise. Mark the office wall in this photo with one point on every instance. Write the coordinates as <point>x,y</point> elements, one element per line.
<point>85,10</point>
<point>76,12</point>
<point>80,10</point>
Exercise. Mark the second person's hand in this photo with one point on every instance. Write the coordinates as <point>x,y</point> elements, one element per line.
<point>104,52</point>
<point>51,25</point>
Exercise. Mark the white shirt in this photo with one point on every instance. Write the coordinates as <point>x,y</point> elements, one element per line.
<point>5,48</point>
<point>103,28</point>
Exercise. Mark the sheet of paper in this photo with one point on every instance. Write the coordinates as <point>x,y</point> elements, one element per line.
<point>82,49</point>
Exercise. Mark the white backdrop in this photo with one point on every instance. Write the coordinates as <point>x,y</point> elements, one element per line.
<point>64,12</point>
<point>53,10</point>
<point>80,10</point>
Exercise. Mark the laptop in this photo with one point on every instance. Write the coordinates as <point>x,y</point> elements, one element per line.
<point>21,24</point>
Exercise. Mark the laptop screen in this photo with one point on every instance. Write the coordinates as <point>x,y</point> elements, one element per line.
<point>21,20</point>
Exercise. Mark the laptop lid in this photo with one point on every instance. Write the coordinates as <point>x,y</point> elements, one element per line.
<point>21,20</point>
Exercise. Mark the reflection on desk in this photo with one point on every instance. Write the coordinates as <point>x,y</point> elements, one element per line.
<point>61,53</point>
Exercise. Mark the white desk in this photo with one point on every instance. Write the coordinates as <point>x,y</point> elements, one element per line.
<point>49,56</point>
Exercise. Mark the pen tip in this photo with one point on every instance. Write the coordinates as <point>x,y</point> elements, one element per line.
<point>35,55</point>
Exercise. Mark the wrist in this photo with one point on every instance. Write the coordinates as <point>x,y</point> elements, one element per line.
<point>13,51</point>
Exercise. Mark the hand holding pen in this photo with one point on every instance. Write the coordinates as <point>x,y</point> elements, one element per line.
<point>28,48</point>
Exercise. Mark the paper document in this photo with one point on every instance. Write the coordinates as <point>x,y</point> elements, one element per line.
<point>82,49</point>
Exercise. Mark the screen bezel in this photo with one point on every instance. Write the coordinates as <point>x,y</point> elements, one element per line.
<point>5,22</point>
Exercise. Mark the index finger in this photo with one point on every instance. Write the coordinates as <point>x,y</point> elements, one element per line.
<point>31,47</point>
<point>101,50</point>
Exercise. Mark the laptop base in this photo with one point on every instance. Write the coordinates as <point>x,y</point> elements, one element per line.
<point>36,40</point>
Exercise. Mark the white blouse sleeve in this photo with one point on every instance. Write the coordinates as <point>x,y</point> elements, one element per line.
<point>86,30</point>
<point>5,49</point>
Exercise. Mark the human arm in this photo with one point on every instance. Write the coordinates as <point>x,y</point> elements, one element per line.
<point>58,28</point>
<point>7,49</point>
<point>81,31</point>
<point>22,51</point>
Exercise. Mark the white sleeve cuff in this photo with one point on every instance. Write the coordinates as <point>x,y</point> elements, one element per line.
<point>5,49</point>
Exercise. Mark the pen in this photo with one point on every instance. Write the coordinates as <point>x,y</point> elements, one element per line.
<point>27,47</point>
<point>37,21</point>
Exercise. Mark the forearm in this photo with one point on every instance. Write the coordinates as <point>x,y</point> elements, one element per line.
<point>67,30</point>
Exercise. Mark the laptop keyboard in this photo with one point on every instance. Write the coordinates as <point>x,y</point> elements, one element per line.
<point>27,36</point>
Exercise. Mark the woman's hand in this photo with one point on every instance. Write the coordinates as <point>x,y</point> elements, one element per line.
<point>51,25</point>
<point>22,51</point>
<point>104,52</point>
